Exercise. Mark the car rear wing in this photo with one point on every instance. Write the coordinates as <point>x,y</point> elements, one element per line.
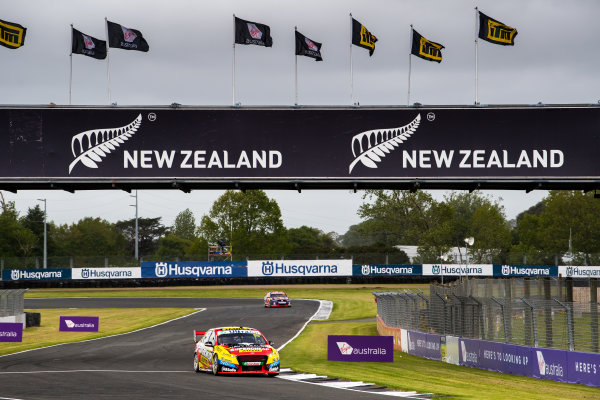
<point>198,335</point>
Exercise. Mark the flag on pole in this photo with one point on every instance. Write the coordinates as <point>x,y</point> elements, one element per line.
<point>248,32</point>
<point>88,45</point>
<point>307,47</point>
<point>12,35</point>
<point>495,31</point>
<point>426,49</point>
<point>125,38</point>
<point>361,37</point>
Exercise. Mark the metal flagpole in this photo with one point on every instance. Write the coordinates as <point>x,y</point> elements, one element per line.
<point>107,58</point>
<point>351,76</point>
<point>476,55</point>
<point>409,65</point>
<point>296,62</point>
<point>71,66</point>
<point>233,67</point>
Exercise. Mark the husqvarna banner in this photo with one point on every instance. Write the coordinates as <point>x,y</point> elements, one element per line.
<point>579,271</point>
<point>300,268</point>
<point>160,146</point>
<point>36,274</point>
<point>386,269</point>
<point>458,270</point>
<point>194,269</point>
<point>106,273</point>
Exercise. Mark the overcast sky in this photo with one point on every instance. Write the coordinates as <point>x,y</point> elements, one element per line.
<point>555,60</point>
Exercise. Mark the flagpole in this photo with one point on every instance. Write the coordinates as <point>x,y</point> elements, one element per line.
<point>351,75</point>
<point>476,55</point>
<point>409,64</point>
<point>71,66</point>
<point>296,65</point>
<point>107,59</point>
<point>233,67</point>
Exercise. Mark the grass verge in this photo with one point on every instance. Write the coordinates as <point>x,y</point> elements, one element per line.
<point>350,301</point>
<point>112,321</point>
<point>413,373</point>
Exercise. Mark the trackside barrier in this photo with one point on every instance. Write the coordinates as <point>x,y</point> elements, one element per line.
<point>296,268</point>
<point>558,365</point>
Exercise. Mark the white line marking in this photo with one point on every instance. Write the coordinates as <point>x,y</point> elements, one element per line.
<point>304,326</point>
<point>90,370</point>
<point>106,337</point>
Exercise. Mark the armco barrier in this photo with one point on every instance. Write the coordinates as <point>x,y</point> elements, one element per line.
<point>385,330</point>
<point>426,345</point>
<point>558,365</point>
<point>535,362</point>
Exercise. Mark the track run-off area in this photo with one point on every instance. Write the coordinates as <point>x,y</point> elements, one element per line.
<point>156,362</point>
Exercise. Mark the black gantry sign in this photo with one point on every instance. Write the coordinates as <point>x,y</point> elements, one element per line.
<point>502,147</point>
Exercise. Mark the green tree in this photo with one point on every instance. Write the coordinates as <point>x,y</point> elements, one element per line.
<point>15,239</point>
<point>307,240</point>
<point>150,231</point>
<point>401,217</point>
<point>93,236</point>
<point>171,246</point>
<point>250,218</point>
<point>565,214</point>
<point>185,225</point>
<point>477,216</point>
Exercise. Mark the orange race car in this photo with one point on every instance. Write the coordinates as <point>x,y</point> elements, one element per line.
<point>235,350</point>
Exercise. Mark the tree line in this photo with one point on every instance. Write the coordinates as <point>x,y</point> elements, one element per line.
<point>563,224</point>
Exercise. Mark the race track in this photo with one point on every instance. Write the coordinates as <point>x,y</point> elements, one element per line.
<point>156,363</point>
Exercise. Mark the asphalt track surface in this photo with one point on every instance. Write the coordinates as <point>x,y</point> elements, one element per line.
<point>156,363</point>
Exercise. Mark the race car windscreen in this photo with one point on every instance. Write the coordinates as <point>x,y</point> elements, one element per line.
<point>241,339</point>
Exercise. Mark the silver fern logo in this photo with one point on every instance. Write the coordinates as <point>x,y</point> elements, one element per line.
<point>373,145</point>
<point>91,146</point>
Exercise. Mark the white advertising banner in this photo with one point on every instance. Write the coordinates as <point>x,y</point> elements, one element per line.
<point>300,268</point>
<point>579,271</point>
<point>458,270</point>
<point>106,273</point>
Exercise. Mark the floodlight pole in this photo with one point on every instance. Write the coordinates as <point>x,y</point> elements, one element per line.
<point>45,234</point>
<point>136,225</point>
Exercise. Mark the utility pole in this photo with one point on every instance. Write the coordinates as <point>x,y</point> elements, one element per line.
<point>45,240</point>
<point>136,225</point>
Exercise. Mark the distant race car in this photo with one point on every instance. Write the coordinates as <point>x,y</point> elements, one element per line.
<point>235,350</point>
<point>277,299</point>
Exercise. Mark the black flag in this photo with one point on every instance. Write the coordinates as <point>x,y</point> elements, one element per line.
<point>12,35</point>
<point>126,38</point>
<point>88,45</point>
<point>307,47</point>
<point>247,32</point>
<point>361,37</point>
<point>495,31</point>
<point>426,49</point>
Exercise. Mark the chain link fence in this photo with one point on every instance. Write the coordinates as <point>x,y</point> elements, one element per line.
<point>12,302</point>
<point>551,313</point>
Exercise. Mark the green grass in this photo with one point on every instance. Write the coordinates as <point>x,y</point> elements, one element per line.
<point>350,301</point>
<point>413,373</point>
<point>112,321</point>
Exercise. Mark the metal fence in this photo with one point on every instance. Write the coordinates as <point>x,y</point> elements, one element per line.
<point>534,312</point>
<point>11,302</point>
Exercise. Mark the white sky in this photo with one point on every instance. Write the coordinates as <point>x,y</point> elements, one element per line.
<point>554,61</point>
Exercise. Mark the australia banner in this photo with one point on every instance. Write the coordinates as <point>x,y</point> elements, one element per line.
<point>320,147</point>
